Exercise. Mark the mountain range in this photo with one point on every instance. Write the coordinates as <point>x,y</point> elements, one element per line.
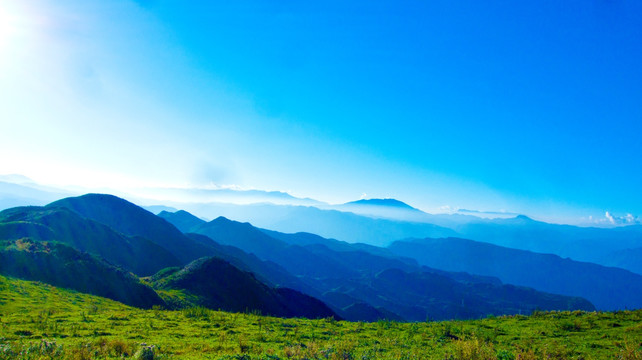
<point>176,259</point>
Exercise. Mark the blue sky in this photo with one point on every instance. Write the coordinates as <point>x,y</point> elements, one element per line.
<point>528,107</point>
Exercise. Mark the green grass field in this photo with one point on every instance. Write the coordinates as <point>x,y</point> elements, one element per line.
<point>42,322</point>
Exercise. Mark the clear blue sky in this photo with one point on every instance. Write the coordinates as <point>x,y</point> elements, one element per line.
<point>529,107</point>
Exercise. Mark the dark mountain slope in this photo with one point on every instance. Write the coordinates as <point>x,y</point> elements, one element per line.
<point>135,254</point>
<point>607,288</point>
<point>217,284</point>
<point>441,296</point>
<point>241,235</point>
<point>268,272</point>
<point>303,238</point>
<point>131,220</point>
<point>416,296</point>
<point>369,313</point>
<point>63,266</point>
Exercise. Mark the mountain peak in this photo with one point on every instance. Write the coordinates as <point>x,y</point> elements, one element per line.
<point>382,202</point>
<point>523,218</point>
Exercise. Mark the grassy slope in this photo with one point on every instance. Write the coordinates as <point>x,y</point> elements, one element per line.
<point>78,326</point>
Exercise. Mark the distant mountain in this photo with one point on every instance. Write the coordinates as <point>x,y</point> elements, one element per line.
<point>333,224</point>
<point>304,238</point>
<point>242,235</point>
<point>390,209</point>
<point>183,220</point>
<point>578,243</point>
<point>607,288</point>
<point>225,195</point>
<point>135,254</point>
<point>392,203</point>
<point>20,191</point>
<point>63,266</point>
<point>630,259</point>
<point>216,284</point>
<point>156,209</point>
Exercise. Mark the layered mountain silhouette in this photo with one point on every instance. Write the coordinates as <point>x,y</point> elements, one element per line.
<point>578,243</point>
<point>327,222</point>
<point>381,221</point>
<point>113,229</point>
<point>352,277</point>
<point>606,287</point>
<point>238,267</point>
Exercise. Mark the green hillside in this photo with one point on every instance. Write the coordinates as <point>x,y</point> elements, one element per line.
<point>60,265</point>
<point>39,321</point>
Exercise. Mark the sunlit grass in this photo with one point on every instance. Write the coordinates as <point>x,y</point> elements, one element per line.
<point>42,322</point>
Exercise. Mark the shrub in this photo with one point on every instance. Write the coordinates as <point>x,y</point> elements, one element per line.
<point>145,353</point>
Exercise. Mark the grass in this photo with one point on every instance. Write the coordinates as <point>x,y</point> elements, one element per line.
<point>39,321</point>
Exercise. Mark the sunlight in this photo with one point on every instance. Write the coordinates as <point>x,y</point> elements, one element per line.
<point>5,25</point>
<point>19,22</point>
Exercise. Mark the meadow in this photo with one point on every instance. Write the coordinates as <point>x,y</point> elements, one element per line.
<point>38,321</point>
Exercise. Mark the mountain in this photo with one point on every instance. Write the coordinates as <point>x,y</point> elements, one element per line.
<point>134,221</point>
<point>630,259</point>
<point>135,254</point>
<point>226,195</point>
<point>242,235</point>
<point>369,313</point>
<point>333,224</point>
<point>607,288</point>
<point>60,265</point>
<point>384,203</point>
<point>183,220</point>
<point>267,272</point>
<point>20,191</point>
<point>155,209</point>
<point>216,284</point>
<point>418,295</point>
<point>350,277</point>
<point>444,298</point>
<point>579,243</point>
<point>304,238</point>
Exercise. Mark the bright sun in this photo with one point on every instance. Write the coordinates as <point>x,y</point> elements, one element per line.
<point>6,24</point>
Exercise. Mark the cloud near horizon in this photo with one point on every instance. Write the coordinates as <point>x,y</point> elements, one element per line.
<point>628,219</point>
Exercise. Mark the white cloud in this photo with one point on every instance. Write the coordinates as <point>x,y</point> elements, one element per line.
<point>627,219</point>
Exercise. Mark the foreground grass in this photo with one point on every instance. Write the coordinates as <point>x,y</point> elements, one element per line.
<point>42,322</point>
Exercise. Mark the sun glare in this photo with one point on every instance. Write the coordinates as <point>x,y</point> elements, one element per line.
<point>4,25</point>
<point>8,25</point>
